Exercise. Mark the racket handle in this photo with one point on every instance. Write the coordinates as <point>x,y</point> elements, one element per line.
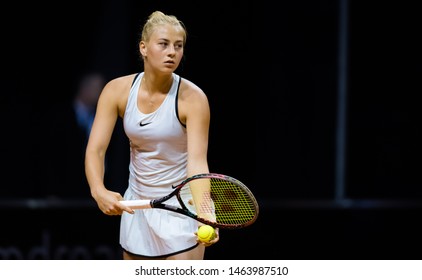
<point>137,203</point>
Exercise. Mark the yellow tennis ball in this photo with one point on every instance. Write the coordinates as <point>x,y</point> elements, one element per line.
<point>206,233</point>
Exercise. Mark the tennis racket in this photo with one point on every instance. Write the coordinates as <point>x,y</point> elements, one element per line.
<point>214,199</point>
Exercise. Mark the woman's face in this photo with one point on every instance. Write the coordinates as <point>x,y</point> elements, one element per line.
<point>164,50</point>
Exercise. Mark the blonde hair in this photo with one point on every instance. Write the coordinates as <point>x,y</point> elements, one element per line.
<point>159,18</point>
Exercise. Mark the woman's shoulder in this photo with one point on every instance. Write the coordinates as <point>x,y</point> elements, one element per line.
<point>118,86</point>
<point>122,81</point>
<point>190,94</point>
<point>116,91</point>
<point>189,88</point>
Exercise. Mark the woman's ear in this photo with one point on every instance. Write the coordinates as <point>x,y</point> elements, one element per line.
<point>142,49</point>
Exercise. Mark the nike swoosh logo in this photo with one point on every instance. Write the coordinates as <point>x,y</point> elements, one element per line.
<point>144,124</point>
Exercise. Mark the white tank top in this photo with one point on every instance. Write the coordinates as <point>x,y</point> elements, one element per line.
<point>158,144</point>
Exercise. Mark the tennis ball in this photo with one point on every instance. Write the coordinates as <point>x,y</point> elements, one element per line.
<point>206,233</point>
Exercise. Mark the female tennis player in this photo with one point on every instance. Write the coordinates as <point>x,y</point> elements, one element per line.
<point>166,119</point>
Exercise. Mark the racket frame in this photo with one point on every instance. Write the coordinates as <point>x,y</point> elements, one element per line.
<point>183,209</point>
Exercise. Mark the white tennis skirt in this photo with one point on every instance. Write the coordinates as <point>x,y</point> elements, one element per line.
<point>156,232</point>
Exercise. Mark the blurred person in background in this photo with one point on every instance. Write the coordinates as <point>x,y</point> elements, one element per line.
<point>85,102</point>
<point>68,136</point>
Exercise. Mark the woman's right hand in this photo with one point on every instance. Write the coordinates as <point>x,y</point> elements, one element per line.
<point>108,202</point>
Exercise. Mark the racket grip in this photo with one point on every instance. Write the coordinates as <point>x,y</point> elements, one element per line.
<point>137,203</point>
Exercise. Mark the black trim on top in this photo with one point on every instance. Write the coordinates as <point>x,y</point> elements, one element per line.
<point>177,102</point>
<point>134,79</point>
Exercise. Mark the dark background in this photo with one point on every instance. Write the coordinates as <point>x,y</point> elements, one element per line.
<point>314,107</point>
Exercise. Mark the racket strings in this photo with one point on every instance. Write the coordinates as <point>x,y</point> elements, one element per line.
<point>233,204</point>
